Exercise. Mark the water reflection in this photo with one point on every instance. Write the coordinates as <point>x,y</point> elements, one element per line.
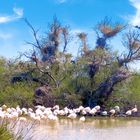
<point>92,129</point>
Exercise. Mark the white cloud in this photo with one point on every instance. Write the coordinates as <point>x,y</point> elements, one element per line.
<point>135,20</point>
<point>18,13</point>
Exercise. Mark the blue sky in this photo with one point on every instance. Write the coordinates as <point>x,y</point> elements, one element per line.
<point>80,15</point>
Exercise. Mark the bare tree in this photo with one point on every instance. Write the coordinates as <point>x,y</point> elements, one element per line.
<point>44,51</point>
<point>83,38</point>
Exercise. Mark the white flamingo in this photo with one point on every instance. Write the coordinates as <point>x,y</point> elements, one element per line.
<point>112,112</point>
<point>134,110</point>
<point>129,113</point>
<point>117,108</point>
<point>82,119</point>
<point>104,113</point>
<point>72,116</point>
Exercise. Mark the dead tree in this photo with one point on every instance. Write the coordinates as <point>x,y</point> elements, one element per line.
<point>83,38</point>
<point>45,51</point>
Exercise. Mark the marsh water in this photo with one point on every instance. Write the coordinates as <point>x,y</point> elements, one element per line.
<point>91,129</point>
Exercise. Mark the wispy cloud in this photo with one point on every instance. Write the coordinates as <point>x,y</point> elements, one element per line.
<point>18,13</point>
<point>5,36</point>
<point>135,20</point>
<point>62,1</point>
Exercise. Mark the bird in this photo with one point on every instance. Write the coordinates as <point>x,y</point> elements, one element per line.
<point>83,112</point>
<point>15,114</point>
<point>134,110</point>
<point>56,112</point>
<point>112,112</point>
<point>72,116</point>
<point>117,108</point>
<point>104,113</point>
<point>8,110</point>
<point>61,112</point>
<point>4,107</point>
<point>38,112</point>
<point>93,111</point>
<point>56,107</point>
<point>31,115</point>
<point>97,107</point>
<point>66,110</point>
<point>52,117</point>
<point>82,119</point>
<point>30,109</point>
<point>24,111</point>
<point>87,109</point>
<point>2,114</point>
<point>129,113</point>
<point>81,108</point>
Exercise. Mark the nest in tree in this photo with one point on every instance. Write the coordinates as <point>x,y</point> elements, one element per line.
<point>82,36</point>
<point>136,44</point>
<point>110,31</point>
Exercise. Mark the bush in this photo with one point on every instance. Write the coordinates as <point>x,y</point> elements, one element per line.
<point>126,94</point>
<point>18,94</point>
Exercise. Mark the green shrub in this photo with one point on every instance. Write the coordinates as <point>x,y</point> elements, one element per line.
<point>126,94</point>
<point>18,94</point>
<point>5,134</point>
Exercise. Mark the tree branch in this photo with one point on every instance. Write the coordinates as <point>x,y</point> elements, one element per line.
<point>34,34</point>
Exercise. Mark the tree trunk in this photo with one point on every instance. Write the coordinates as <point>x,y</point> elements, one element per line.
<point>105,88</point>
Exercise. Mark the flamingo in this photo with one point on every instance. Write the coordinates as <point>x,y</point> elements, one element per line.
<point>56,107</point>
<point>82,119</point>
<point>4,107</point>
<point>104,113</point>
<point>72,116</point>
<point>117,108</point>
<point>93,111</point>
<point>129,113</point>
<point>134,110</point>
<point>87,109</point>
<point>112,112</point>
<point>97,107</point>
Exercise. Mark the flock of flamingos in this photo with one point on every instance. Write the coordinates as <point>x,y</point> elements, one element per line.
<point>53,113</point>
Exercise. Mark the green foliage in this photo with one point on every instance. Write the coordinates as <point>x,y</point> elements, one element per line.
<point>18,94</point>
<point>74,83</point>
<point>2,65</point>
<point>14,94</point>
<point>126,94</point>
<point>69,100</point>
<point>5,134</point>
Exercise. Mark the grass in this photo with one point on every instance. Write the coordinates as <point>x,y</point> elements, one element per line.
<point>15,129</point>
<point>5,134</point>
